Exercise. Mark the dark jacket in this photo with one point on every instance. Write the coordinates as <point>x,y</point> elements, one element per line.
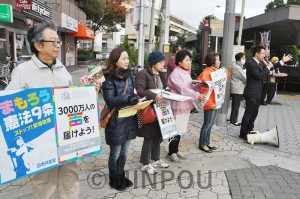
<point>143,82</point>
<point>255,74</point>
<point>118,130</point>
<point>266,78</point>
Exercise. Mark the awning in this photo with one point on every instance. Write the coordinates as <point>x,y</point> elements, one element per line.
<point>83,32</point>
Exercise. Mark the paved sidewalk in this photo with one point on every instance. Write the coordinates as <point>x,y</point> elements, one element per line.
<point>235,170</point>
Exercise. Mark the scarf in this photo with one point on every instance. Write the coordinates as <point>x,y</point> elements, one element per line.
<point>186,69</point>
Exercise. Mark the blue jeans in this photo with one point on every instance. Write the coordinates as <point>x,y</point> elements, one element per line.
<point>117,158</point>
<point>209,120</point>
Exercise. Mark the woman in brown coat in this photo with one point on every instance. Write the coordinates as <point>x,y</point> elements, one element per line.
<point>151,78</point>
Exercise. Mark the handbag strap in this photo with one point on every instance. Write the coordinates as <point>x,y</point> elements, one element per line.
<point>126,87</point>
<point>125,90</point>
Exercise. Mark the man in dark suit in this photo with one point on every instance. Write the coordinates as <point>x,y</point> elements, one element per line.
<point>255,73</point>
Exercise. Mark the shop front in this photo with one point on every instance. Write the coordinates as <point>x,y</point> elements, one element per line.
<point>84,34</point>
<point>68,53</point>
<point>25,14</point>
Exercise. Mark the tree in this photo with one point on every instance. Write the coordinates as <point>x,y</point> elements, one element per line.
<point>274,5</point>
<point>130,49</point>
<point>293,2</point>
<point>279,51</point>
<point>181,40</point>
<point>106,14</point>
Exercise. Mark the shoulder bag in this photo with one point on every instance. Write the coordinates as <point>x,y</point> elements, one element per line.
<point>106,114</point>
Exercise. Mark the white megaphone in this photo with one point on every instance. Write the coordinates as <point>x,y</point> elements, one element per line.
<point>266,137</point>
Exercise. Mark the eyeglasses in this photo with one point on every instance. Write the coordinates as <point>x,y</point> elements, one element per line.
<point>55,42</point>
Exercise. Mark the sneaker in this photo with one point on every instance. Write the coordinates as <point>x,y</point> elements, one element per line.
<point>149,169</point>
<point>180,155</point>
<point>173,158</point>
<point>160,164</point>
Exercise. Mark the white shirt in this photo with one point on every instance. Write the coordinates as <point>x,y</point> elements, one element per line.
<point>35,74</point>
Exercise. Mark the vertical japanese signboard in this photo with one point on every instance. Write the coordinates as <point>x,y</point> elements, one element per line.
<point>38,134</point>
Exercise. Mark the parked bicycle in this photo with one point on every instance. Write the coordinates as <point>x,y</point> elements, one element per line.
<point>4,74</point>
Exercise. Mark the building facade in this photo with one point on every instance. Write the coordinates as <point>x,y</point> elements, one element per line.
<point>25,14</point>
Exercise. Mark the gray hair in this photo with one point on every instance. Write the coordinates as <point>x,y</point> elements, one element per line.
<point>35,34</point>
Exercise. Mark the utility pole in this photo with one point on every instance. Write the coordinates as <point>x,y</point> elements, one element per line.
<point>241,23</point>
<point>141,40</point>
<point>152,27</point>
<point>165,28</point>
<point>228,39</point>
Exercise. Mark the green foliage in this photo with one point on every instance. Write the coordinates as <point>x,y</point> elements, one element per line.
<point>286,49</point>
<point>181,40</point>
<point>172,47</point>
<point>293,2</point>
<point>274,5</point>
<point>157,34</point>
<point>130,49</point>
<point>84,55</point>
<point>280,3</point>
<point>248,54</point>
<point>194,70</point>
<point>146,56</point>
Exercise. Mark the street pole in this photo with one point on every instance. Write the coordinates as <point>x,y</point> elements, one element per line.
<point>216,46</point>
<point>241,23</point>
<point>227,46</point>
<point>141,36</point>
<point>162,24</point>
<point>152,27</point>
<point>164,45</point>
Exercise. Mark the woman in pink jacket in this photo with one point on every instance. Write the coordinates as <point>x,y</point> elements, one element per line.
<point>180,82</point>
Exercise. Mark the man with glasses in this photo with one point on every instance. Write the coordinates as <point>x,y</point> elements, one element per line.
<point>255,73</point>
<point>45,70</point>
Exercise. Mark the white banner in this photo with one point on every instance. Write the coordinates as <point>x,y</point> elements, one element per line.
<point>165,119</point>
<point>219,77</point>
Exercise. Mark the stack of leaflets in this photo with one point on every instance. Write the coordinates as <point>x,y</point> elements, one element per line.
<point>96,75</point>
<point>171,96</point>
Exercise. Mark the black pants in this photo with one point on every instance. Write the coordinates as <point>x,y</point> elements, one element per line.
<point>250,114</point>
<point>173,146</point>
<point>271,91</point>
<point>264,93</point>
<point>150,150</point>
<point>235,106</point>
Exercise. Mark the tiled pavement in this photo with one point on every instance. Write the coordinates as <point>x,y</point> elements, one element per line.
<point>226,173</point>
<point>285,116</point>
<point>263,182</point>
